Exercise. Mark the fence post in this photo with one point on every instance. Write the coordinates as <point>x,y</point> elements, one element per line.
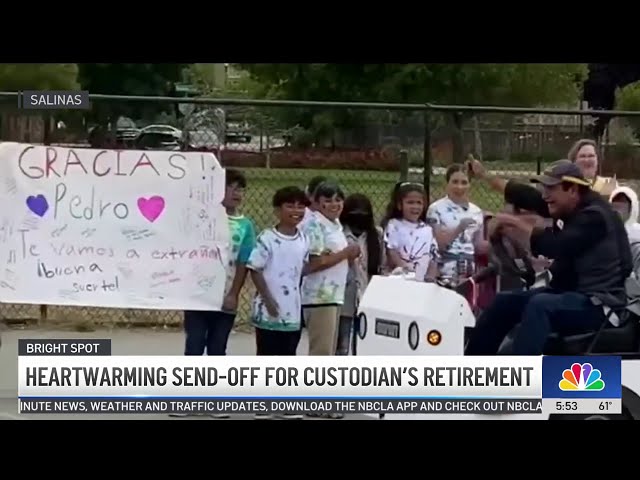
<point>426,156</point>
<point>404,166</point>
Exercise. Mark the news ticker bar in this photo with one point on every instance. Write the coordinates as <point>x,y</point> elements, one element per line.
<point>80,369</point>
<point>54,100</point>
<point>58,347</point>
<point>279,405</point>
<point>325,405</point>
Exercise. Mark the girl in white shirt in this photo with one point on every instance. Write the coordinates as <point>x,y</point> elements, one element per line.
<point>408,237</point>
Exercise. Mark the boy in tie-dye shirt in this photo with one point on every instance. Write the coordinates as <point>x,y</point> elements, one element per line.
<point>210,330</point>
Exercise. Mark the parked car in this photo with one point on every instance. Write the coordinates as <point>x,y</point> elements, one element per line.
<point>151,140</point>
<point>237,133</point>
<point>163,130</point>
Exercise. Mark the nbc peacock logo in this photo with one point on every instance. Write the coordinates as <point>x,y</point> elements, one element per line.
<point>581,377</point>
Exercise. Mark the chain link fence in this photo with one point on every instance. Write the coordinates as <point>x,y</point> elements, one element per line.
<point>520,142</point>
<point>509,145</point>
<point>367,148</point>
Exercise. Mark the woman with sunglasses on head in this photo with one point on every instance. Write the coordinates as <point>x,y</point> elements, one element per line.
<point>458,225</point>
<point>359,227</point>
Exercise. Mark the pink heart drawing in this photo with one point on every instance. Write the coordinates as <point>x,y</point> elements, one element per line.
<point>151,208</point>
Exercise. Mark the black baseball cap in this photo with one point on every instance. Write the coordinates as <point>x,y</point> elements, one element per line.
<point>561,171</point>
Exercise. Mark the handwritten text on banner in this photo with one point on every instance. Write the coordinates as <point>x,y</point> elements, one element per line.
<point>111,228</point>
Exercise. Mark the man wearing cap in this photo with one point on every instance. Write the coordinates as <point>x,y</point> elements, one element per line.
<point>591,261</point>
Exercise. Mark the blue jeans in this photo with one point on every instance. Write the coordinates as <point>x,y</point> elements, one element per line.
<point>539,312</point>
<point>272,342</point>
<point>207,331</point>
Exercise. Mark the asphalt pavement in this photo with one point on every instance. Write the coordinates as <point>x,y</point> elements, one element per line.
<point>123,342</point>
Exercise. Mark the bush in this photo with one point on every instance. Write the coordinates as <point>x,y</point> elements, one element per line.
<point>382,159</point>
<point>622,160</point>
<point>318,158</point>
<point>526,157</point>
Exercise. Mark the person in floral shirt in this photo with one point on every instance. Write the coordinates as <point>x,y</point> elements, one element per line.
<point>458,224</point>
<point>329,255</point>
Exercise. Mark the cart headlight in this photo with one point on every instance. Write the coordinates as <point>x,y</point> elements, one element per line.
<point>362,326</point>
<point>434,338</point>
<point>414,336</point>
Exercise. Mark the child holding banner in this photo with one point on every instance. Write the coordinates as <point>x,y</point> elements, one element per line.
<point>243,239</point>
<point>210,330</point>
<point>277,264</point>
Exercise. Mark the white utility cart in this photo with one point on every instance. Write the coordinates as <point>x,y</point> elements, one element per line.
<point>399,316</point>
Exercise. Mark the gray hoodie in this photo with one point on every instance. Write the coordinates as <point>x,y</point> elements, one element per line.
<point>632,225</point>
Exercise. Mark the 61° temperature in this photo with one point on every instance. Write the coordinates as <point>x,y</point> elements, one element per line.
<point>605,405</point>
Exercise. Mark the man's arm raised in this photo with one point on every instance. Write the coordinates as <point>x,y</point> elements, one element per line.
<point>520,195</point>
<point>477,169</point>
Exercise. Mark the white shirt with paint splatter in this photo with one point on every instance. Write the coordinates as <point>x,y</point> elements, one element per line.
<point>414,242</point>
<point>448,214</point>
<point>280,258</point>
<point>325,287</point>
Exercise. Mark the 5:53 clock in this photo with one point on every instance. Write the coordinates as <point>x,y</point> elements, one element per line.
<point>566,406</point>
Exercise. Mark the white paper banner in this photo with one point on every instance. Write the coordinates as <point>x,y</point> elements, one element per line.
<point>112,228</point>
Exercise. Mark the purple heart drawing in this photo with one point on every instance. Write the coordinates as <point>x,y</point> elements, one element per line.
<point>151,208</point>
<point>38,204</point>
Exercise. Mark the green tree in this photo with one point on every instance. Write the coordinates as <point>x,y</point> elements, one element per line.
<point>475,84</point>
<point>203,76</point>
<point>33,76</point>
<point>38,76</point>
<point>318,82</point>
<point>130,78</point>
<point>628,98</point>
<point>542,84</point>
<point>211,81</point>
<point>536,85</point>
<point>149,79</point>
<point>465,84</point>
<point>510,85</point>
